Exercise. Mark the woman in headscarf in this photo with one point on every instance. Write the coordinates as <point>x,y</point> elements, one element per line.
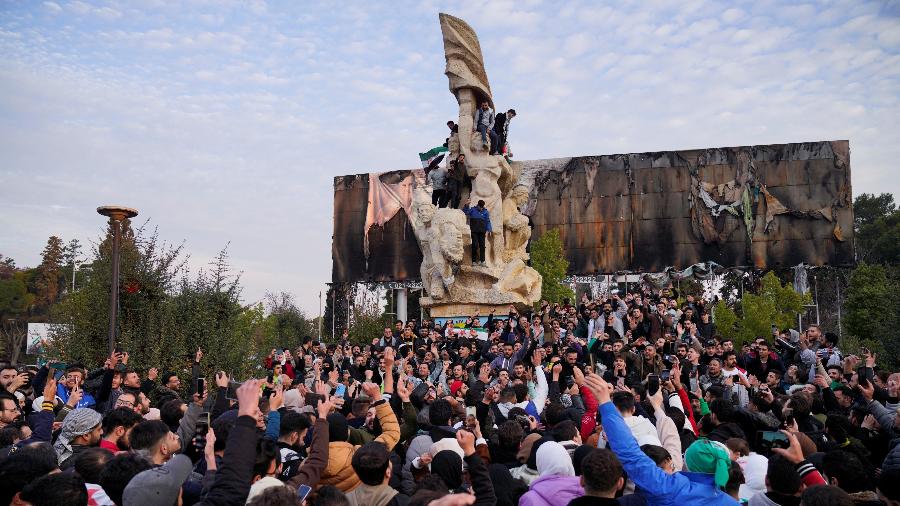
<point>557,484</point>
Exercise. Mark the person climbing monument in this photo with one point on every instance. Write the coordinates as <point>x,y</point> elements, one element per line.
<point>484,123</point>
<point>479,225</point>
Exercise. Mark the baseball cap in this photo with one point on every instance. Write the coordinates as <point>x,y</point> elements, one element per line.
<point>159,485</point>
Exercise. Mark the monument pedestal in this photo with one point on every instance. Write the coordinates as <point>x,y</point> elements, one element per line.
<point>457,310</point>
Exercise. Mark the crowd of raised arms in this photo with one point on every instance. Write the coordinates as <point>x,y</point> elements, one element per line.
<point>628,399</point>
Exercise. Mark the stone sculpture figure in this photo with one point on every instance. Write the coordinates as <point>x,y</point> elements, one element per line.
<point>448,237</point>
<point>450,280</point>
<point>516,231</point>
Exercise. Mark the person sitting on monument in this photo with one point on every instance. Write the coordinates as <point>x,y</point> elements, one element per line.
<point>479,224</point>
<point>484,123</point>
<point>454,128</point>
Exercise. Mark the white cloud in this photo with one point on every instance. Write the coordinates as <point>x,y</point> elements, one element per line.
<point>52,7</point>
<point>732,15</point>
<point>227,121</point>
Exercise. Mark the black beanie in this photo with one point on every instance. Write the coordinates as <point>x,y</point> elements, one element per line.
<point>337,428</point>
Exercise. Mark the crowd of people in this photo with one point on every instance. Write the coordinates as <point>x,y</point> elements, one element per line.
<point>626,399</point>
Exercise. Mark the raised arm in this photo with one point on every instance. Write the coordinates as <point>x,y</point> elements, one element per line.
<point>310,472</point>
<point>640,468</point>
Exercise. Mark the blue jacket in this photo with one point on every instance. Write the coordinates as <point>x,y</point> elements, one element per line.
<point>478,214</point>
<point>87,400</point>
<point>659,487</point>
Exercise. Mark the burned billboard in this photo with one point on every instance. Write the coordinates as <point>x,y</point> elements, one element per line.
<point>750,206</point>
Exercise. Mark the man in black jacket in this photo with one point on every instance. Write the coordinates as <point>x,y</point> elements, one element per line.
<point>501,128</point>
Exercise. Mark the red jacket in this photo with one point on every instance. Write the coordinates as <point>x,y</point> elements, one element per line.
<point>288,367</point>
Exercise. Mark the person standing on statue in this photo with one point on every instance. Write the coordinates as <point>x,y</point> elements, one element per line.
<point>457,175</point>
<point>479,224</point>
<point>484,123</point>
<point>501,128</point>
<point>438,179</point>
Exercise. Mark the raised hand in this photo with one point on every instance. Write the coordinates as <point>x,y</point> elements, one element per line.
<point>221,379</point>
<point>200,397</point>
<point>388,358</point>
<point>209,450</point>
<point>599,387</point>
<point>198,356</point>
<point>152,374</point>
<point>276,398</point>
<point>50,390</point>
<point>793,453</point>
<point>248,397</point>
<point>75,396</point>
<point>404,390</point>
<point>557,370</point>
<point>372,390</point>
<point>537,356</point>
<point>579,376</point>
<point>466,441</point>
<point>325,406</point>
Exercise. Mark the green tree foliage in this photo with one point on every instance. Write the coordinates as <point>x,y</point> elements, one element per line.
<point>165,313</point>
<point>872,312</point>
<point>754,314</point>
<point>367,320</point>
<point>50,272</point>
<point>877,224</point>
<point>548,258</point>
<point>287,324</point>
<point>335,314</point>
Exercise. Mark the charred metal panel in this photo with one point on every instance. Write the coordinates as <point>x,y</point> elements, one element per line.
<point>643,212</point>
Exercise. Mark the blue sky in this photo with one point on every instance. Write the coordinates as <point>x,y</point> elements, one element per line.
<point>225,121</point>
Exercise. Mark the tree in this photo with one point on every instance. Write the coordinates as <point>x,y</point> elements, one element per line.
<point>288,324</point>
<point>71,257</point>
<point>548,258</point>
<point>754,314</point>
<point>877,228</point>
<point>868,208</point>
<point>336,305</point>
<point>50,272</point>
<point>873,291</point>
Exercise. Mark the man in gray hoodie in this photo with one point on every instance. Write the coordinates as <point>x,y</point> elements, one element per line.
<point>484,123</point>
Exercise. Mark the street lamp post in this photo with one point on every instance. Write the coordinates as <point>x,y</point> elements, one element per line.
<point>115,214</point>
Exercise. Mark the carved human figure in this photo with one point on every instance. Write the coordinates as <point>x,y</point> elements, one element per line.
<point>448,237</point>
<point>423,213</point>
<point>516,231</point>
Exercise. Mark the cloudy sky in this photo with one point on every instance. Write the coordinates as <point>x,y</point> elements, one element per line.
<point>224,122</point>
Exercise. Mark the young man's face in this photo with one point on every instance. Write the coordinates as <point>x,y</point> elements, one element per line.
<point>508,350</point>
<point>8,411</point>
<point>73,379</point>
<point>772,379</point>
<point>519,370</point>
<point>485,106</point>
<point>7,376</point>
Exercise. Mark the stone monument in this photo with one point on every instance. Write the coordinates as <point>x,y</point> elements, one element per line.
<point>454,286</point>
